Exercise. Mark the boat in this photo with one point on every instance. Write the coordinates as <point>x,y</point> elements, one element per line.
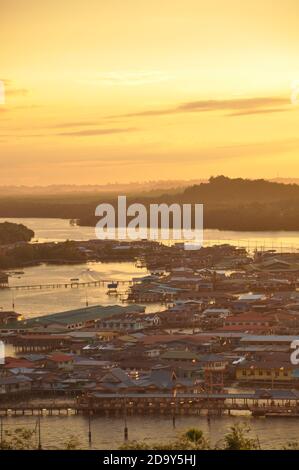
<point>112,285</point>
<point>112,288</point>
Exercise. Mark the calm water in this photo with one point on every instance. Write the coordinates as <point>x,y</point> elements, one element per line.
<point>107,433</point>
<point>272,432</point>
<point>60,229</point>
<point>37,302</point>
<point>33,303</point>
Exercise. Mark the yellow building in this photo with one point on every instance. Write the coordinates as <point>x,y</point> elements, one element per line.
<point>265,372</point>
<point>107,335</point>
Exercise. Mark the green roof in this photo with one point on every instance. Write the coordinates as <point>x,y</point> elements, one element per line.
<point>79,315</point>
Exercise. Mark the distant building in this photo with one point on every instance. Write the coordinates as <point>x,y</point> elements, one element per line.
<point>60,361</point>
<point>216,312</point>
<point>15,384</point>
<point>79,318</point>
<point>3,280</point>
<point>266,372</point>
<point>119,324</point>
<point>8,316</point>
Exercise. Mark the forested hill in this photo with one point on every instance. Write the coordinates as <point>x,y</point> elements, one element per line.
<point>229,204</point>
<point>236,204</point>
<point>232,191</point>
<point>12,233</point>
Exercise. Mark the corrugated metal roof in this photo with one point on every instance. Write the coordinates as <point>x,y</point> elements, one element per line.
<point>256,394</point>
<point>82,314</point>
<point>270,338</point>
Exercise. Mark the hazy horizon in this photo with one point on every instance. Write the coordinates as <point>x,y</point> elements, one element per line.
<point>132,186</point>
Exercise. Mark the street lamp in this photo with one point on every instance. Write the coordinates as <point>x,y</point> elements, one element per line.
<point>126,433</point>
<point>174,407</point>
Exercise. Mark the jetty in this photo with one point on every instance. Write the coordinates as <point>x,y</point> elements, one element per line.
<point>282,403</point>
<point>72,284</point>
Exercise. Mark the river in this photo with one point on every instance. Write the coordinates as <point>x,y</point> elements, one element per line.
<point>107,432</point>
<point>31,303</point>
<point>37,302</point>
<point>60,229</point>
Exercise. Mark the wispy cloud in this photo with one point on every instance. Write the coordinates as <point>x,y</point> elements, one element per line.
<point>96,132</point>
<point>260,111</point>
<point>233,107</point>
<point>65,125</point>
<point>78,133</point>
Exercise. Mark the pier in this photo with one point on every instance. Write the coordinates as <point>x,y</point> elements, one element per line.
<point>182,404</point>
<point>257,404</point>
<point>74,285</point>
<point>39,343</point>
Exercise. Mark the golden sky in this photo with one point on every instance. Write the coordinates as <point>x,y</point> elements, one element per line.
<point>123,90</point>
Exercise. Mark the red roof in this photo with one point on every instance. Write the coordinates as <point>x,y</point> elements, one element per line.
<point>161,339</point>
<point>251,316</point>
<point>13,362</point>
<point>43,336</point>
<point>60,358</point>
<point>148,340</point>
<point>9,313</point>
<point>243,328</point>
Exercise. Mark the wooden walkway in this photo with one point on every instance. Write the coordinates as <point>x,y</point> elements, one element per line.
<point>39,410</point>
<point>158,404</point>
<point>73,285</point>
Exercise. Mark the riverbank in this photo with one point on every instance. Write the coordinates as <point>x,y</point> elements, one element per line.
<point>58,230</point>
<point>71,252</point>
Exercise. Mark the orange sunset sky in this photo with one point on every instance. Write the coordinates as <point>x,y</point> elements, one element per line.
<point>104,91</point>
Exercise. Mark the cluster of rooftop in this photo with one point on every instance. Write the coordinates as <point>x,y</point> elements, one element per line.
<point>228,319</point>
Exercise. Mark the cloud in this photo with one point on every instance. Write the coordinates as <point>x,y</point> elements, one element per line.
<point>72,124</point>
<point>259,111</point>
<point>79,133</point>
<point>232,106</point>
<point>96,132</point>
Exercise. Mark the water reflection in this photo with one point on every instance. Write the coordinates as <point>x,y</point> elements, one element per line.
<point>56,430</point>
